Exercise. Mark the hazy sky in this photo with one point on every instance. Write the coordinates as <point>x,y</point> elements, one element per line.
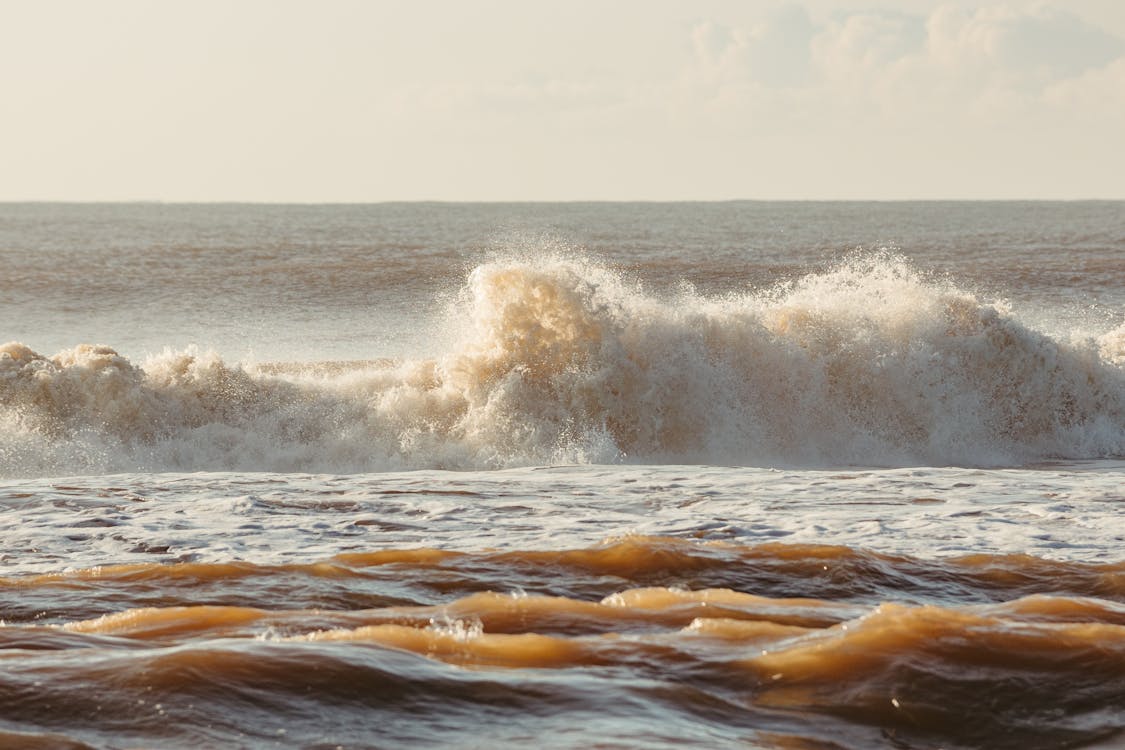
<point>336,100</point>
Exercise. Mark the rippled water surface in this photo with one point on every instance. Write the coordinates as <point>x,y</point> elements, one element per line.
<point>793,476</point>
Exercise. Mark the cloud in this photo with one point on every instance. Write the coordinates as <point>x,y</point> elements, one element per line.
<point>859,45</point>
<point>1029,49</point>
<point>991,101</point>
<point>1102,88</point>
<point>577,99</point>
<point>774,51</point>
<point>1021,49</point>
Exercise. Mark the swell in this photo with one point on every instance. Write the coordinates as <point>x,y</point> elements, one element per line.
<point>654,666</point>
<point>422,577</point>
<point>871,362</point>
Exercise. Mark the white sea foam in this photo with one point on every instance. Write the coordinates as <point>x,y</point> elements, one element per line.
<point>558,360</point>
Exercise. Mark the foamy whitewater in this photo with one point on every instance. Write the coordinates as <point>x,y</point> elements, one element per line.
<point>484,467</point>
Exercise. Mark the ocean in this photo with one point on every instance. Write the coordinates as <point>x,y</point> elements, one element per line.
<point>790,476</point>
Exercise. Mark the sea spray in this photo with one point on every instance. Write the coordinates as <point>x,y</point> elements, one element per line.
<point>558,359</point>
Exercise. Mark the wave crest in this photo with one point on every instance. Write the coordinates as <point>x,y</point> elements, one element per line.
<point>557,359</point>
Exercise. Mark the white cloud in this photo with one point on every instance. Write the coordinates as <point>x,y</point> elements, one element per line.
<point>979,63</point>
<point>992,101</point>
<point>774,51</point>
<point>1031,48</point>
<point>1099,86</point>
<point>349,100</point>
<point>862,44</point>
<point>1026,48</point>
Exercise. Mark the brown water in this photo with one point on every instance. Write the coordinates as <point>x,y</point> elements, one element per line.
<point>644,641</point>
<point>719,475</point>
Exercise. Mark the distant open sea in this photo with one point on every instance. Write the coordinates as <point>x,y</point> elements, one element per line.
<point>790,476</point>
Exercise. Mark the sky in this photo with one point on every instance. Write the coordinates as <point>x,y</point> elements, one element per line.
<point>486,100</point>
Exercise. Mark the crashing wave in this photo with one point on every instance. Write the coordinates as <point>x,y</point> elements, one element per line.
<point>870,362</point>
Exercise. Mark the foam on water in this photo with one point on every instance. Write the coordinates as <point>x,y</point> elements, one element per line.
<point>559,360</point>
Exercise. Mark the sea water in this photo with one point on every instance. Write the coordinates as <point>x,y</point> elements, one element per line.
<point>777,475</point>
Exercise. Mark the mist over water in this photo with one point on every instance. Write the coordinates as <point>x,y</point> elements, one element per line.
<point>629,475</point>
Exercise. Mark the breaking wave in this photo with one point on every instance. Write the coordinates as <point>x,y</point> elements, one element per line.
<point>871,362</point>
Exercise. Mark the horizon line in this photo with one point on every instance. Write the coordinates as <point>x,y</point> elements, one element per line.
<point>431,201</point>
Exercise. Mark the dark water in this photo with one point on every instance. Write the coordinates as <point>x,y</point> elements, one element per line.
<point>642,642</point>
